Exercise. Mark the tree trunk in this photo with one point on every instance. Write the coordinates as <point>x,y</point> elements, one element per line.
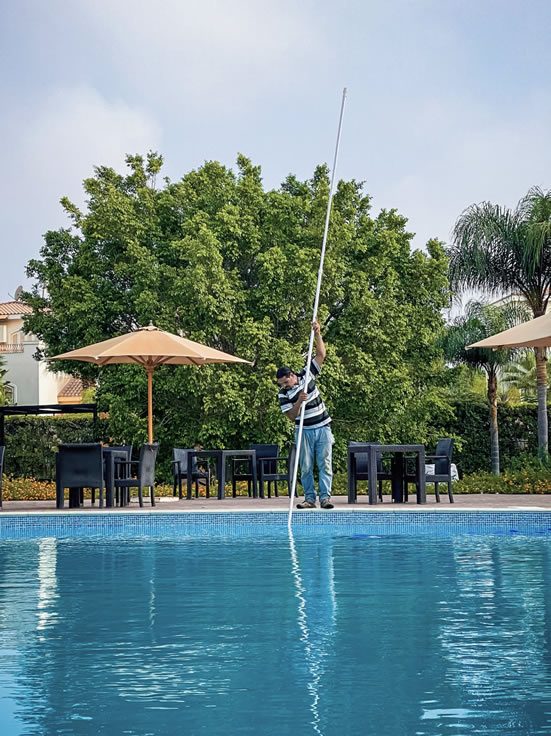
<point>541,373</point>
<point>494,432</point>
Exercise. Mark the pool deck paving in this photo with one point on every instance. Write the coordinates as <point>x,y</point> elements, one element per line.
<point>470,502</point>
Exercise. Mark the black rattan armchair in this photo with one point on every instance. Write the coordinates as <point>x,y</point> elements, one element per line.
<point>274,469</point>
<point>78,466</point>
<point>241,467</point>
<point>144,475</point>
<point>180,470</point>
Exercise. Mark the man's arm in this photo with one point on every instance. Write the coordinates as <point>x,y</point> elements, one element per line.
<point>320,345</point>
<point>293,413</point>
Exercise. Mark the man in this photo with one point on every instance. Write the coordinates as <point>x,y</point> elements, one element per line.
<point>317,438</point>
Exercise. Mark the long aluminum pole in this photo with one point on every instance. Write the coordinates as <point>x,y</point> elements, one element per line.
<point>314,316</point>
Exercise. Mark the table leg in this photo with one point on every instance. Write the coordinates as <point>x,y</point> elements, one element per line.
<point>351,475</point>
<point>372,474</point>
<point>254,474</point>
<point>397,481</point>
<point>421,489</point>
<point>221,468</point>
<point>189,475</point>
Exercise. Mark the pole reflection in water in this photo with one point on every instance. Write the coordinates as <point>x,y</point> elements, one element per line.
<point>317,613</point>
<point>47,583</point>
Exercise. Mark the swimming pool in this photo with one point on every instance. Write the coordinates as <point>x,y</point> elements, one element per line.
<point>225,628</point>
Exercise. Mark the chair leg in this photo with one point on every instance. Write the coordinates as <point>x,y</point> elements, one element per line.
<point>207,486</point>
<point>275,489</point>
<point>152,492</point>
<point>93,497</point>
<point>436,492</point>
<point>101,497</point>
<point>450,494</point>
<point>140,495</point>
<point>59,496</point>
<point>174,486</point>
<point>233,487</point>
<point>380,490</point>
<point>196,488</point>
<point>180,493</point>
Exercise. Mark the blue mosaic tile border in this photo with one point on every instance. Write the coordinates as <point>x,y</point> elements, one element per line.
<point>246,524</point>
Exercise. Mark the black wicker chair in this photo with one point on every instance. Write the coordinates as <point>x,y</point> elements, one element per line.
<point>362,468</point>
<point>241,467</point>
<point>78,466</point>
<point>180,470</point>
<point>275,469</point>
<point>144,470</point>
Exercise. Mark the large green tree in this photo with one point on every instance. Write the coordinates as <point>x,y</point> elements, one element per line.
<point>221,260</point>
<point>497,250</point>
<point>478,322</point>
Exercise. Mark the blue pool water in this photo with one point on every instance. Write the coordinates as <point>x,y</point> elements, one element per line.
<point>347,634</point>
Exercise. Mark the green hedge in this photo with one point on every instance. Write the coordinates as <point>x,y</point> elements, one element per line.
<point>31,442</point>
<point>518,435</point>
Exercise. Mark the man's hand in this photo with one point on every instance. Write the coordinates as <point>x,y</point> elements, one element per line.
<point>293,413</point>
<point>320,347</point>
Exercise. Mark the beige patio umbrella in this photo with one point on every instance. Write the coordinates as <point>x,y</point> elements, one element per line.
<point>535,333</point>
<point>149,347</point>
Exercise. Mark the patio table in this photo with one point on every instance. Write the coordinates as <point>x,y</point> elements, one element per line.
<point>221,457</point>
<point>398,452</point>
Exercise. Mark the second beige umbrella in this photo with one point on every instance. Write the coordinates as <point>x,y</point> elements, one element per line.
<point>149,347</point>
<point>536,333</point>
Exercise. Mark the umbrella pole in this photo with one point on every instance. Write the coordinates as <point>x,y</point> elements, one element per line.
<point>150,370</point>
<point>314,317</point>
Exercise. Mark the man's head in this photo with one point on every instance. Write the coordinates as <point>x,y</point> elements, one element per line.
<point>286,378</point>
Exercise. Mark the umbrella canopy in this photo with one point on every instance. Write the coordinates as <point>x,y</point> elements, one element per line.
<point>533,334</point>
<point>149,347</point>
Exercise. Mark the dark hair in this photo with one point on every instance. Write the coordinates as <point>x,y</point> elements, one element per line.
<point>283,371</point>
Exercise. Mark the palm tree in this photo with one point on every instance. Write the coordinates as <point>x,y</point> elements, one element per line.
<point>480,321</point>
<point>496,251</point>
<point>521,375</point>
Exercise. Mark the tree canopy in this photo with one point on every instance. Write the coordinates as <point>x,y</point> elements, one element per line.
<point>219,259</point>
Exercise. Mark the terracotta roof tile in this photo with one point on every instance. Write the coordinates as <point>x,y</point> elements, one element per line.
<point>10,308</point>
<point>72,388</point>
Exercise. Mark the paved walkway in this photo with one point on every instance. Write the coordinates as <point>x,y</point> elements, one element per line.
<point>166,504</point>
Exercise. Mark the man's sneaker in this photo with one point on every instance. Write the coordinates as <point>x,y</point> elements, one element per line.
<point>306,505</point>
<point>326,504</point>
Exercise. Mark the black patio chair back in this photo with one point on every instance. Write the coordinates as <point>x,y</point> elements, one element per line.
<point>78,466</point>
<point>362,467</point>
<point>442,460</point>
<point>144,477</point>
<point>241,467</point>
<point>2,451</point>
<point>180,471</point>
<point>123,448</point>
<point>443,456</point>
<point>275,469</point>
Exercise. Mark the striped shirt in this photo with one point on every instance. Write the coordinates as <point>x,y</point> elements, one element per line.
<point>315,414</point>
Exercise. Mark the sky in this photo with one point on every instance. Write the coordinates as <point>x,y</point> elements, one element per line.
<point>449,101</point>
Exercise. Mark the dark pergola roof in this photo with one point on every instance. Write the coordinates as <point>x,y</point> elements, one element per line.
<point>41,409</point>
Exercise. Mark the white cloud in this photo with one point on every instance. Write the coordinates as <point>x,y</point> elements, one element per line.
<point>204,51</point>
<point>463,151</point>
<point>53,146</point>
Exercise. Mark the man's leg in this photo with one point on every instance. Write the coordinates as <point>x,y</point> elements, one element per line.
<point>324,453</point>
<point>307,465</point>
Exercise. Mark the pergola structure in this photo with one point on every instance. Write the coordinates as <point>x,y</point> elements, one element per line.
<point>43,409</point>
